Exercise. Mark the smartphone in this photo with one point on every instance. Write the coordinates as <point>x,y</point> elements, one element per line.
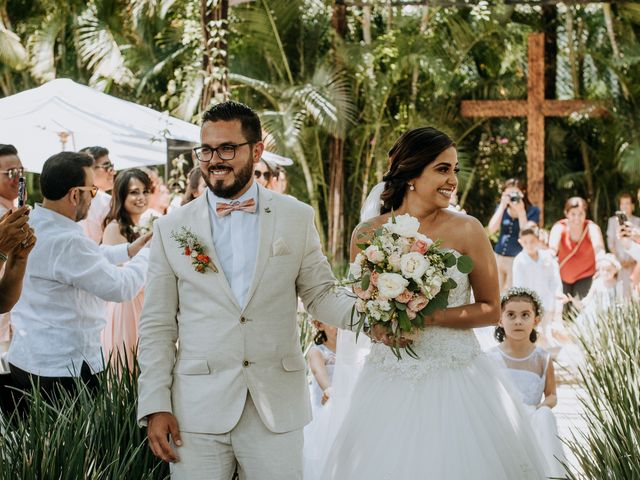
<point>622,217</point>
<point>22,191</point>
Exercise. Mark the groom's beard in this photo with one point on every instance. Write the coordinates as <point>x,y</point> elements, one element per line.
<point>242,177</point>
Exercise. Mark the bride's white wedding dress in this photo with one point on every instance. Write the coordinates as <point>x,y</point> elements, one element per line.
<point>448,415</point>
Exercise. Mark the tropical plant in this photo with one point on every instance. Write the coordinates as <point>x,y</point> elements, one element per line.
<point>609,447</point>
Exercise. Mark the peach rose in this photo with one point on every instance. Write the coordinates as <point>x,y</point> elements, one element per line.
<point>405,296</point>
<point>374,278</point>
<point>411,314</point>
<point>363,294</point>
<point>418,303</point>
<point>420,246</point>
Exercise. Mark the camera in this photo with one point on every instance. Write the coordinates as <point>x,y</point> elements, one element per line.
<point>515,197</point>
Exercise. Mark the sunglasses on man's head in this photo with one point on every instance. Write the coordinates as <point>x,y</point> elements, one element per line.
<point>13,172</point>
<point>265,175</point>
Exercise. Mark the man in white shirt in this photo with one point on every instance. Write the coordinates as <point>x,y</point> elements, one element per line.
<point>103,175</point>
<point>58,320</point>
<point>10,171</point>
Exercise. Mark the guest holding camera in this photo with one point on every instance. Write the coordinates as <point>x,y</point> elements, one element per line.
<point>513,213</point>
<point>68,279</point>
<point>623,215</point>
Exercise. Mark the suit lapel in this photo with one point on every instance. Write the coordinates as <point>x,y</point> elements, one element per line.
<point>265,238</point>
<point>201,223</point>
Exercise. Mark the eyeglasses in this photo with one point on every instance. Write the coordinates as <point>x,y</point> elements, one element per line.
<point>265,175</point>
<point>225,152</point>
<point>93,191</point>
<point>108,167</point>
<point>13,172</point>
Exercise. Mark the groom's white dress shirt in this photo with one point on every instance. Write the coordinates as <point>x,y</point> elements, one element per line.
<point>59,317</point>
<point>235,238</point>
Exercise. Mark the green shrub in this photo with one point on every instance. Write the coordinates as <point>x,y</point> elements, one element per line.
<point>80,436</point>
<point>609,449</point>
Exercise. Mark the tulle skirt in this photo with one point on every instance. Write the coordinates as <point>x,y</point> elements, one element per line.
<point>544,425</point>
<point>457,423</point>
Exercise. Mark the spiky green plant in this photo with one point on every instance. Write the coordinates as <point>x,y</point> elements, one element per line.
<point>609,448</point>
<point>88,436</point>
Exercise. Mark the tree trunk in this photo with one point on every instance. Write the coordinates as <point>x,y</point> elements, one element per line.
<point>608,20</point>
<point>214,16</point>
<point>424,22</point>
<point>336,238</point>
<point>549,27</point>
<point>366,24</point>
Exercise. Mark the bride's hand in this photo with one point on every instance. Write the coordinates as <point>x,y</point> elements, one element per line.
<point>380,334</point>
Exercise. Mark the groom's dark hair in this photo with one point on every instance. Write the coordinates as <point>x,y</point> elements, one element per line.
<point>229,111</point>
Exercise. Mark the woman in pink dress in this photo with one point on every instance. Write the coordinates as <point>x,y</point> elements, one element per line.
<point>129,200</point>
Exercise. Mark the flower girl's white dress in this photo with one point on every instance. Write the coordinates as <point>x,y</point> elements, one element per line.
<point>529,377</point>
<point>448,415</point>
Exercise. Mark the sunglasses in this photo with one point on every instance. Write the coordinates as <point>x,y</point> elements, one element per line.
<point>108,167</point>
<point>93,191</point>
<point>265,175</point>
<point>13,172</point>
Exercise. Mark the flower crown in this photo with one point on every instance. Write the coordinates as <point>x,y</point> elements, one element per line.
<point>516,292</point>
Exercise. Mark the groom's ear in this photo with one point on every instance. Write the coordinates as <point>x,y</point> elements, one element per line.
<point>258,149</point>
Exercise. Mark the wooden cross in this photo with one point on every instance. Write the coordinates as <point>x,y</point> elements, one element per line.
<point>535,108</point>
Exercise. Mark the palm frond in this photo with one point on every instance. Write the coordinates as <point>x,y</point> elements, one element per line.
<point>41,47</point>
<point>12,52</point>
<point>100,51</point>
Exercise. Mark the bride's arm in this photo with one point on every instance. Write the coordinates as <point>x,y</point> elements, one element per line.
<point>484,281</point>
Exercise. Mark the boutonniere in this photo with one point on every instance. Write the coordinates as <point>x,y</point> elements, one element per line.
<point>193,249</point>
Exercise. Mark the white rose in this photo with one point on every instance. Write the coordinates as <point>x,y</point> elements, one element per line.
<point>413,265</point>
<point>394,262</point>
<point>391,284</point>
<point>405,225</point>
<point>373,254</point>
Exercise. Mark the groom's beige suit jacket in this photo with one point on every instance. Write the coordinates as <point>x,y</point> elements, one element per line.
<point>200,352</point>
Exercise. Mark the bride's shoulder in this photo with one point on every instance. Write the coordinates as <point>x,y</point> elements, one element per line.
<point>463,221</point>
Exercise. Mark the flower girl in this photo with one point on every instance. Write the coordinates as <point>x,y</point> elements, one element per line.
<point>321,359</point>
<point>531,370</point>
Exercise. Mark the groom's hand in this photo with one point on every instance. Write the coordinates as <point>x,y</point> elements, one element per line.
<point>159,426</point>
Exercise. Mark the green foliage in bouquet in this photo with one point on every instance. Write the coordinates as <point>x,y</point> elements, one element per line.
<point>81,436</point>
<point>610,447</point>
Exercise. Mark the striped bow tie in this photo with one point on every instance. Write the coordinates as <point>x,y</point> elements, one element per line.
<point>224,209</point>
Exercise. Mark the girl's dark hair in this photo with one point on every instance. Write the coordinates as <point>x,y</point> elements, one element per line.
<point>192,186</point>
<point>117,211</point>
<point>320,337</point>
<point>575,202</point>
<point>519,184</point>
<point>499,334</point>
<point>412,152</point>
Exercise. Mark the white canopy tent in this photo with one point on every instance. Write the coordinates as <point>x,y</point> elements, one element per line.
<point>64,115</point>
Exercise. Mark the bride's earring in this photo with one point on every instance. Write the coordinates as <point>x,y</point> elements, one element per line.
<point>412,187</point>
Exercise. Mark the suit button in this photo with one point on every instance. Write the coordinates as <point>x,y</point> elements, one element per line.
<point>245,363</point>
<point>243,320</point>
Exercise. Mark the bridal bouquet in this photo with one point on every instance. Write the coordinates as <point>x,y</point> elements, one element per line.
<point>399,277</point>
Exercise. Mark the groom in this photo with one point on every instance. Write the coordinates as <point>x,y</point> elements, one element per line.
<point>222,378</point>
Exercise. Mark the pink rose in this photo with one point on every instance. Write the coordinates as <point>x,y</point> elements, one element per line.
<point>420,246</point>
<point>405,296</point>
<point>418,303</point>
<point>411,314</point>
<point>374,278</point>
<point>363,294</point>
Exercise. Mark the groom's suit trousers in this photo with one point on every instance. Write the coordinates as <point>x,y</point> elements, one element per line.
<point>259,453</point>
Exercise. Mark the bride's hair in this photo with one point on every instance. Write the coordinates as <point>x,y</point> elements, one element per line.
<point>408,157</point>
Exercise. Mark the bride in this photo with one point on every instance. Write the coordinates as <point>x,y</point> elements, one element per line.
<point>449,414</point>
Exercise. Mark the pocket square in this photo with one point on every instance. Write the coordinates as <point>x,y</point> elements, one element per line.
<point>280,248</point>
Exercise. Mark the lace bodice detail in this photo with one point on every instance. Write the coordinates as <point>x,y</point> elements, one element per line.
<point>438,348</point>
